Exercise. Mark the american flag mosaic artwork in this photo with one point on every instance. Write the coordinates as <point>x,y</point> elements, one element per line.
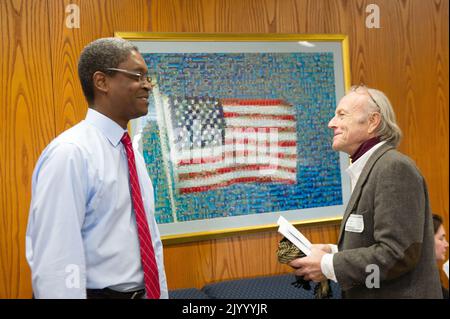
<point>231,134</point>
<point>221,142</point>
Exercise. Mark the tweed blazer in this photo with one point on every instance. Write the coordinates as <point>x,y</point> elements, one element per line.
<point>396,244</point>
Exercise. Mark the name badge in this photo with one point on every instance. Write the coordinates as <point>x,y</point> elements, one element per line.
<point>355,223</point>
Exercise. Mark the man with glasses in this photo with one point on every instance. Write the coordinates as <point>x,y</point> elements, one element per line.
<point>91,230</point>
<point>386,245</point>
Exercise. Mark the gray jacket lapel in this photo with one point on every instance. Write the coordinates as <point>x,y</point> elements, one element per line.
<point>356,194</point>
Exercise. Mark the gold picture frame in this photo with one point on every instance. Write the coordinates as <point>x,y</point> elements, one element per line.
<point>308,72</point>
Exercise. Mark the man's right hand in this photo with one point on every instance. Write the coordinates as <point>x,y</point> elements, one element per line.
<point>324,247</point>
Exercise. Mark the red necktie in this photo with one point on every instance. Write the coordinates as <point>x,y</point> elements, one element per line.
<point>151,278</point>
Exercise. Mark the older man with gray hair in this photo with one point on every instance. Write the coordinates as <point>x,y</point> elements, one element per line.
<point>91,228</point>
<point>385,247</point>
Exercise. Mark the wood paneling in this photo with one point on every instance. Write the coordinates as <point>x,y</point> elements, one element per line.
<point>189,264</point>
<point>27,124</point>
<point>40,97</point>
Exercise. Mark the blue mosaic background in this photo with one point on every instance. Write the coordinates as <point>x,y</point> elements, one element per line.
<point>306,80</point>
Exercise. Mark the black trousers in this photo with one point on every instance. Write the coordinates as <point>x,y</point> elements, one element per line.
<point>107,293</point>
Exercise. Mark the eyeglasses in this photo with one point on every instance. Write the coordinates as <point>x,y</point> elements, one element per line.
<point>362,88</point>
<point>138,75</point>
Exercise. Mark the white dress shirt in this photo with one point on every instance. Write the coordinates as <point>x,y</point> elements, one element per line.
<point>81,229</point>
<point>354,171</point>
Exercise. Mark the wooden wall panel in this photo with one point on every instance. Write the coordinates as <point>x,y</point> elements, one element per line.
<point>407,58</point>
<point>27,124</point>
<point>246,256</point>
<point>189,264</point>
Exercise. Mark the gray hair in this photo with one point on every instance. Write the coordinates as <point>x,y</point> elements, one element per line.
<point>388,130</point>
<point>98,56</point>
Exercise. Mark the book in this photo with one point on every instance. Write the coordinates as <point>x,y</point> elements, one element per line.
<point>293,235</point>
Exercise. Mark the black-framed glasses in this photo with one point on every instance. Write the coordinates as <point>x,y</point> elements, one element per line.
<point>362,88</point>
<point>138,75</point>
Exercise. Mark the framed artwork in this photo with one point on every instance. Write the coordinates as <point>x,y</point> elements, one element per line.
<point>236,134</point>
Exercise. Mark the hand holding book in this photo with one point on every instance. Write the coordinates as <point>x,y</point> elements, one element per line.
<point>294,245</point>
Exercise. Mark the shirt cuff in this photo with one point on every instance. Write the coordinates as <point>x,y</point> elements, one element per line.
<point>326,265</point>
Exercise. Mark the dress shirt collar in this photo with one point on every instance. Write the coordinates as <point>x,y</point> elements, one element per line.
<point>108,127</point>
<point>364,147</point>
<point>355,169</point>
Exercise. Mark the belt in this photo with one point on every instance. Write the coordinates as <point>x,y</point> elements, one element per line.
<point>107,293</point>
